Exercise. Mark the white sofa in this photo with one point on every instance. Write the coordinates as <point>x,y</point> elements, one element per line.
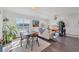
<point>48,34</point>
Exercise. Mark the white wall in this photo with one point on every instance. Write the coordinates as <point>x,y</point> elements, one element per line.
<point>72,26</point>
<point>1,23</point>
<point>0,26</point>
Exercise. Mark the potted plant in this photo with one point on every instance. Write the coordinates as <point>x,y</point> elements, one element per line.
<point>9,31</point>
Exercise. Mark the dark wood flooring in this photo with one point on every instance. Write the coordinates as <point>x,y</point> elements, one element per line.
<point>63,44</point>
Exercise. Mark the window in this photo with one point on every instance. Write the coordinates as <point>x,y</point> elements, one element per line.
<point>22,23</point>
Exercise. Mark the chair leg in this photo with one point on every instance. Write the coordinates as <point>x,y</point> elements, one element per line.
<point>27,40</point>
<point>21,42</point>
<point>26,43</point>
<point>32,44</point>
<point>37,41</point>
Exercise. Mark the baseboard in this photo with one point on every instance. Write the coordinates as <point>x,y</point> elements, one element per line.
<point>72,35</point>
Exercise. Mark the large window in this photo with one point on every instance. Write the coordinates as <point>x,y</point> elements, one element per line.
<point>22,23</point>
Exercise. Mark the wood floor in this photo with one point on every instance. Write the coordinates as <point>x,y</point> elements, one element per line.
<point>63,44</point>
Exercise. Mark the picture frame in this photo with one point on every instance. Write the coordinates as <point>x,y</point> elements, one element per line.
<point>35,23</point>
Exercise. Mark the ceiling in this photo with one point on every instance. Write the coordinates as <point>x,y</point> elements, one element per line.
<point>43,11</point>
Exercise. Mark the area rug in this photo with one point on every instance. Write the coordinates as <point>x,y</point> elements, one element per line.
<point>15,46</point>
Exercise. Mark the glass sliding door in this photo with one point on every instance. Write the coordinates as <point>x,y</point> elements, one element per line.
<point>22,24</point>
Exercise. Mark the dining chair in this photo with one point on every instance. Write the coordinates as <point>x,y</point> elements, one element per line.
<point>26,36</point>
<point>29,37</point>
<point>33,36</point>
